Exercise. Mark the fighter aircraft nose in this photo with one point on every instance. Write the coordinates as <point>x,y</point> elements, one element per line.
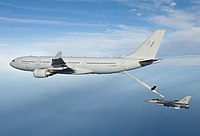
<point>151,101</point>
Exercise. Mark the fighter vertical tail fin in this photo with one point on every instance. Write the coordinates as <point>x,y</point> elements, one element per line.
<point>149,47</point>
<point>185,100</point>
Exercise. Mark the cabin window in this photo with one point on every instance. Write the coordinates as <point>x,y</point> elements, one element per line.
<point>27,61</point>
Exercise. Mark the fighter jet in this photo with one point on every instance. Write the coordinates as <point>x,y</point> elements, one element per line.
<point>177,104</point>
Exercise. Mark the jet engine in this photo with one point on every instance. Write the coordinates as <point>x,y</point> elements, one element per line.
<point>41,73</point>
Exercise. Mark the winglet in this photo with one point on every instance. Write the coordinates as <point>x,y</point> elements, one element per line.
<point>58,55</point>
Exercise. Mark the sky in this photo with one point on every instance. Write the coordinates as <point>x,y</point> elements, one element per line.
<point>98,104</point>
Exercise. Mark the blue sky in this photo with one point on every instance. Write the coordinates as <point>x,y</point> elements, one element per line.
<point>79,27</point>
<point>93,104</point>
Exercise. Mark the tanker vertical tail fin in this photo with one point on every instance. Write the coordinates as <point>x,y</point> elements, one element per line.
<point>149,47</point>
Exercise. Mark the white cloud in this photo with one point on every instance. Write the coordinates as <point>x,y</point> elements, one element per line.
<point>165,13</point>
<point>28,7</point>
<point>188,35</point>
<point>186,60</point>
<point>47,22</point>
<point>182,42</point>
<point>133,9</point>
<point>174,19</point>
<point>173,4</point>
<point>139,14</point>
<point>34,21</point>
<point>195,1</point>
<point>111,43</point>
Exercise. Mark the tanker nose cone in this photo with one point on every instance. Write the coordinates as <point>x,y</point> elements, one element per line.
<point>11,64</point>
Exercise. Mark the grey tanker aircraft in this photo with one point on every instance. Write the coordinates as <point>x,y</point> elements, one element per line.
<point>45,66</point>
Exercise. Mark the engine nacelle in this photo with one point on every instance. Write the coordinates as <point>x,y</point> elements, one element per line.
<point>41,73</point>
